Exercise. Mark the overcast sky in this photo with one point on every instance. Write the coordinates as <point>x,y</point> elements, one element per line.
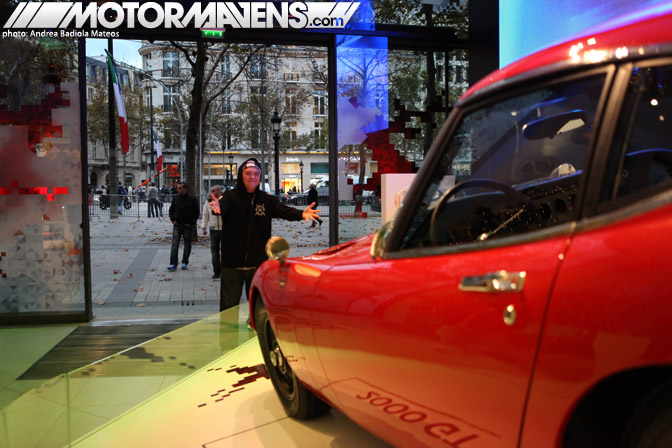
<point>124,50</point>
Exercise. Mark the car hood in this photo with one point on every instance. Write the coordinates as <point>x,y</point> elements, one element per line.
<point>351,252</point>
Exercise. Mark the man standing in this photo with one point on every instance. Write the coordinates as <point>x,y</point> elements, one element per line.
<point>247,213</point>
<point>214,221</point>
<point>121,195</point>
<point>313,198</point>
<point>153,201</point>
<point>184,215</point>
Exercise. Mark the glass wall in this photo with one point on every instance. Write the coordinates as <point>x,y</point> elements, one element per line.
<point>42,246</point>
<point>391,104</point>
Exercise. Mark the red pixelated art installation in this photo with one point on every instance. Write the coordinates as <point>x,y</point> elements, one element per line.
<point>388,157</point>
<point>15,189</point>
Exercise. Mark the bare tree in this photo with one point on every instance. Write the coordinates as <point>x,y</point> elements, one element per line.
<point>206,87</point>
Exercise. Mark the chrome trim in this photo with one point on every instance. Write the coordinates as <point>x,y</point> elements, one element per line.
<point>510,315</point>
<point>277,248</point>
<point>640,207</point>
<point>500,281</point>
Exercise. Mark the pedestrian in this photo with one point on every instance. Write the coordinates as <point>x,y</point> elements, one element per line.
<point>121,194</point>
<point>313,198</point>
<point>214,222</point>
<point>166,192</point>
<point>247,214</point>
<point>183,214</point>
<point>159,203</point>
<point>153,203</point>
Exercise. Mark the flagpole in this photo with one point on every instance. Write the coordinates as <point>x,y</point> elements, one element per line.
<point>112,153</point>
<point>151,136</point>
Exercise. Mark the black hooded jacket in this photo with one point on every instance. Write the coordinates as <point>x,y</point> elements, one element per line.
<point>246,224</point>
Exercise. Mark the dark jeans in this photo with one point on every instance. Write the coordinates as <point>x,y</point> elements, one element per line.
<point>232,286</point>
<point>180,230</point>
<point>215,247</point>
<point>153,208</point>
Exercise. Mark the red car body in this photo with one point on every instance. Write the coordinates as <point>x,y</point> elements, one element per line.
<point>389,332</point>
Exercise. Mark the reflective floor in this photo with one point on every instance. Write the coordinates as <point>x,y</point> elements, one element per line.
<point>201,385</point>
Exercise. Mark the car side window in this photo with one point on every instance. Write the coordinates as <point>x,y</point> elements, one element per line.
<point>517,165</point>
<point>641,154</point>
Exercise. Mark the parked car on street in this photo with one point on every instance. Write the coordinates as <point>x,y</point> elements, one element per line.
<point>322,187</point>
<point>529,305</point>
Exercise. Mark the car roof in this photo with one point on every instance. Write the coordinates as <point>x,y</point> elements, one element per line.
<point>643,33</point>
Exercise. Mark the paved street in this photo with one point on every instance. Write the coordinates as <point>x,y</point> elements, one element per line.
<point>129,257</point>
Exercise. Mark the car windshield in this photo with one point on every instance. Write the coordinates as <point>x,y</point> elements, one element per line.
<point>516,165</point>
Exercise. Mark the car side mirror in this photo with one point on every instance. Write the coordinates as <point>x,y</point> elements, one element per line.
<point>277,248</point>
<point>378,244</point>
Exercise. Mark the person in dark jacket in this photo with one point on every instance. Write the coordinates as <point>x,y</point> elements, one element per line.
<point>183,214</point>
<point>247,213</point>
<point>314,199</point>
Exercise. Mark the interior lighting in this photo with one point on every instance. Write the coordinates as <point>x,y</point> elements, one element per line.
<point>594,56</point>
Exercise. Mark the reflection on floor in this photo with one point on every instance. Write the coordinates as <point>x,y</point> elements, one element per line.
<point>201,385</point>
<point>230,403</point>
<point>88,344</point>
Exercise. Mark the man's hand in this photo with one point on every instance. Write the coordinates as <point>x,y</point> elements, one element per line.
<point>205,232</point>
<point>175,222</point>
<point>310,213</point>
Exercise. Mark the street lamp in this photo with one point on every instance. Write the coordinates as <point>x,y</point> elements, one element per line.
<point>301,168</point>
<point>230,171</point>
<point>275,125</point>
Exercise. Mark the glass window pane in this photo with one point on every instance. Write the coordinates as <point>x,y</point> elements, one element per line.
<point>517,165</point>
<point>641,155</point>
<point>41,236</point>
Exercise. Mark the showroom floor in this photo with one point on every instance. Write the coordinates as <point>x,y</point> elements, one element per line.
<point>201,385</point>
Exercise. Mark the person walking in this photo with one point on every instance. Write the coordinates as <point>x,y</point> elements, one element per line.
<point>153,201</point>
<point>183,214</point>
<point>247,214</point>
<point>214,222</point>
<point>313,198</point>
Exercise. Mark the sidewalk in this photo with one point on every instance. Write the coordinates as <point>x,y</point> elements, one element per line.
<point>129,257</point>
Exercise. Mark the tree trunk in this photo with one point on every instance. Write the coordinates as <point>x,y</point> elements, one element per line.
<point>192,156</point>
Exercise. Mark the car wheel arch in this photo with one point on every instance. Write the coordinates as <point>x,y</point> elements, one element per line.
<point>601,416</point>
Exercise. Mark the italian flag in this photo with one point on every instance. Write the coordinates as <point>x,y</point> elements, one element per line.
<point>159,153</point>
<point>121,110</point>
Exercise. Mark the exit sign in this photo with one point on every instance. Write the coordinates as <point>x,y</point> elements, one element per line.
<point>215,34</point>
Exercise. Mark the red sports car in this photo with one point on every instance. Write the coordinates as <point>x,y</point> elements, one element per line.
<point>522,294</point>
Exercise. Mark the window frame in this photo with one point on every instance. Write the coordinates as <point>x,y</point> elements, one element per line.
<point>524,85</point>
<point>594,205</point>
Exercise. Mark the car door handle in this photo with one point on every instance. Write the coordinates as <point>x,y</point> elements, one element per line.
<point>500,281</point>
